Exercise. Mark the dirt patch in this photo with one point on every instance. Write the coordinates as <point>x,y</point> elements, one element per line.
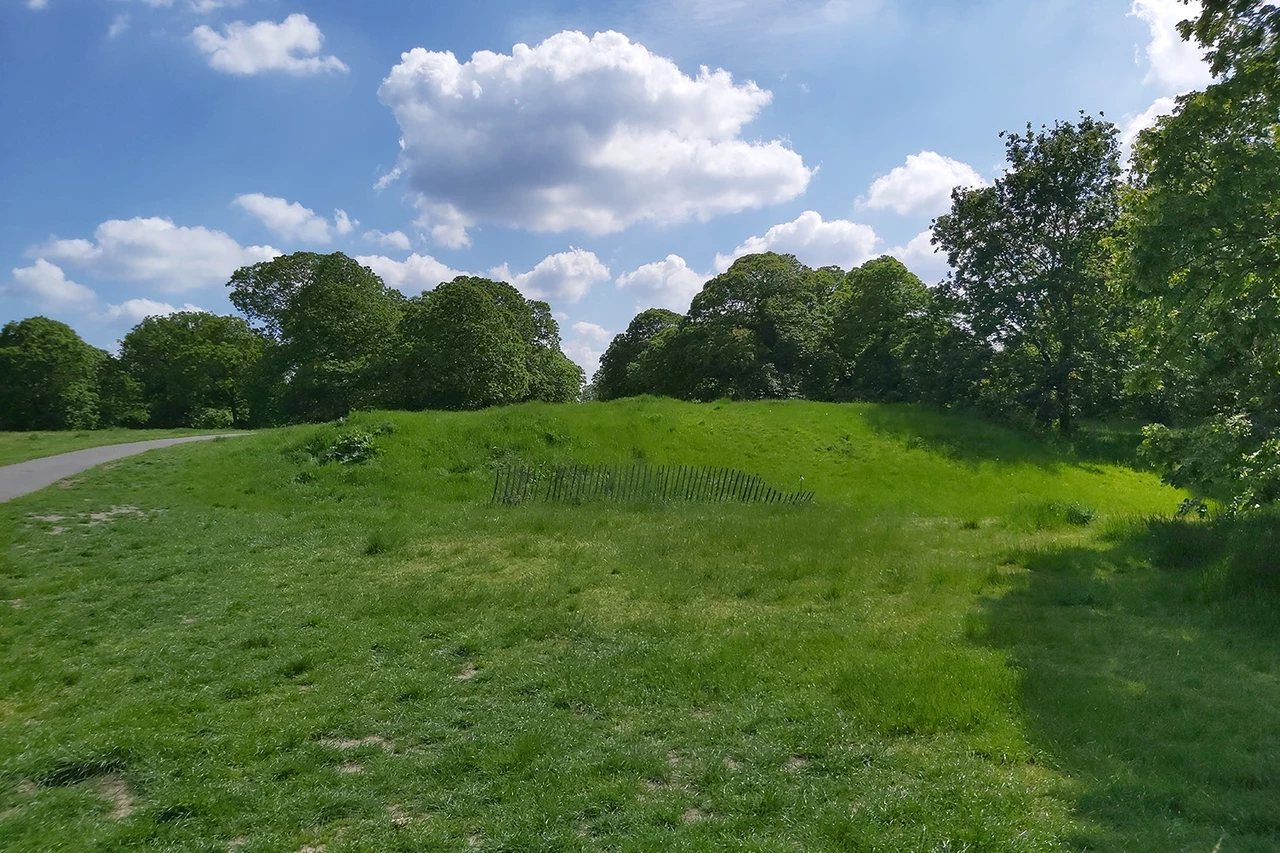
<point>795,763</point>
<point>235,844</point>
<point>115,790</point>
<point>16,603</point>
<point>57,531</point>
<point>693,816</point>
<point>731,763</point>
<point>67,484</point>
<point>475,839</point>
<point>351,768</point>
<point>398,818</point>
<point>468,672</point>
<point>51,519</point>
<point>114,513</point>
<point>373,740</point>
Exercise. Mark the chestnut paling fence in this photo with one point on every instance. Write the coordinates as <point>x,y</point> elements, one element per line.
<point>636,483</point>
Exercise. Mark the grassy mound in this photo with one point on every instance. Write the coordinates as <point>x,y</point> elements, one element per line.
<point>327,637</point>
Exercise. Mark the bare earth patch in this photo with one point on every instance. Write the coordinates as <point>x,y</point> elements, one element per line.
<point>468,672</point>
<point>115,790</point>
<point>693,816</point>
<point>373,740</point>
<point>351,768</point>
<point>795,763</point>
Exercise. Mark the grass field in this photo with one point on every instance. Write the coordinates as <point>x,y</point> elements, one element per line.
<point>20,446</point>
<point>968,643</point>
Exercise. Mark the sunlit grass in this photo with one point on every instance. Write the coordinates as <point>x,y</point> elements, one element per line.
<point>20,446</point>
<point>267,653</point>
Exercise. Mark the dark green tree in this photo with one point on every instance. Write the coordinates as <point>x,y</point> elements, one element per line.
<point>879,317</point>
<point>331,325</point>
<point>467,345</point>
<point>48,377</point>
<point>618,375</point>
<point>193,368</point>
<point>1029,263</point>
<point>1200,257</point>
<point>120,399</point>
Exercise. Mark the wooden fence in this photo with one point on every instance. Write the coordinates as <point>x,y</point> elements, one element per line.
<point>636,483</point>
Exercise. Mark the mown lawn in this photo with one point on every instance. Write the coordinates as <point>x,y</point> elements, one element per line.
<point>970,642</point>
<point>20,446</point>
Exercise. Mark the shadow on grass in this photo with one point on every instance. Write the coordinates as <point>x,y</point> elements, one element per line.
<point>967,437</point>
<point>1151,678</point>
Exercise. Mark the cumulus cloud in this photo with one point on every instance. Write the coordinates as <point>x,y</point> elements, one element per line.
<point>562,277</point>
<point>154,250</point>
<point>1176,65</point>
<point>204,7</point>
<point>134,311</point>
<point>669,283</point>
<point>37,4</point>
<point>816,243</point>
<point>47,286</point>
<point>593,134</point>
<point>292,46</point>
<point>1144,120</point>
<point>119,26</point>
<point>292,221</point>
<point>921,185</point>
<point>446,224</point>
<point>923,258</point>
<point>586,345</point>
<point>413,275</point>
<point>394,240</point>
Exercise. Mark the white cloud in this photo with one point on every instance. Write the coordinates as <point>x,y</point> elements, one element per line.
<point>586,345</point>
<point>1176,65</point>
<point>922,257</point>
<point>154,250</point>
<point>118,27</point>
<point>413,275</point>
<point>921,185</point>
<point>562,277</point>
<point>668,283</point>
<point>394,240</point>
<point>816,243</point>
<point>204,7</point>
<point>292,221</point>
<point>134,311</point>
<point>37,4</point>
<point>445,223</point>
<point>580,133</point>
<point>1144,120</point>
<point>47,286</point>
<point>291,46</point>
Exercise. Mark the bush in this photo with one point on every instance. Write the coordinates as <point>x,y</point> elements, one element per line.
<point>212,419</point>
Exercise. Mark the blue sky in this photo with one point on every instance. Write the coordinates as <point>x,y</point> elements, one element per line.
<point>604,156</point>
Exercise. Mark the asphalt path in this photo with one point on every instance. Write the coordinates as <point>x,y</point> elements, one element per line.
<point>34,474</point>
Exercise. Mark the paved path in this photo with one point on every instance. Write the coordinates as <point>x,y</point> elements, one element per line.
<point>26,477</point>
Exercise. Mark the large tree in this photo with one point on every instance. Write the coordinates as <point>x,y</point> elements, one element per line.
<point>1202,252</point>
<point>1028,262</point>
<point>620,374</point>
<point>331,324</point>
<point>192,368</point>
<point>880,317</point>
<point>758,330</point>
<point>468,344</point>
<point>48,376</point>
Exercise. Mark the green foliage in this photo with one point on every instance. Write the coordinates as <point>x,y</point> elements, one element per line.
<point>120,396</point>
<point>190,367</point>
<point>620,373</point>
<point>331,324</point>
<point>1029,271</point>
<point>48,377</point>
<point>1224,458</point>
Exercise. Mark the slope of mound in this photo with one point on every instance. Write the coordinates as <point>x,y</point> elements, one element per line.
<point>260,646</point>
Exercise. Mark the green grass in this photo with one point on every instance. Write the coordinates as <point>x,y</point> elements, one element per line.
<point>970,642</point>
<point>20,446</point>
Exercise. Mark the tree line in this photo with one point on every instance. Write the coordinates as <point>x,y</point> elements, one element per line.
<point>319,336</point>
<point>1079,286</point>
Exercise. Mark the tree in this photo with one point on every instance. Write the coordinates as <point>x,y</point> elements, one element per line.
<point>192,368</point>
<point>755,331</point>
<point>331,327</point>
<point>1028,261</point>
<point>879,316</point>
<point>1200,255</point>
<point>467,345</point>
<point>48,377</point>
<point>618,375</point>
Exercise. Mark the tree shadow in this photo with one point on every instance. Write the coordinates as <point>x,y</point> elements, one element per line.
<point>1151,679</point>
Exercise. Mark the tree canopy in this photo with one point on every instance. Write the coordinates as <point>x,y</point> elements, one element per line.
<point>48,377</point>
